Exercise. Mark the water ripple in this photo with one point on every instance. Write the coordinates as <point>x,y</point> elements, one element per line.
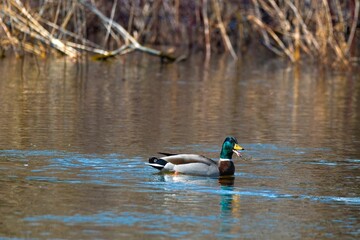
<point>179,184</point>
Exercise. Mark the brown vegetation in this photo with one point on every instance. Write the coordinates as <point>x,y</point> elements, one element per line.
<point>326,30</point>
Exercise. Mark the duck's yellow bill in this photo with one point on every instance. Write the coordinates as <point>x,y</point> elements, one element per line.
<point>237,147</point>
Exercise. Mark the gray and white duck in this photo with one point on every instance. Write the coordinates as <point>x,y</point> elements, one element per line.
<point>194,164</point>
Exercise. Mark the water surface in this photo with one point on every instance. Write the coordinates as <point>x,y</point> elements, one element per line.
<point>74,138</point>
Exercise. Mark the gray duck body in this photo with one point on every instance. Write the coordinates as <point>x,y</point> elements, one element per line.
<point>194,164</point>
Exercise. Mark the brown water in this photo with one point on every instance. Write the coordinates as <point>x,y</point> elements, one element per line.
<point>74,139</point>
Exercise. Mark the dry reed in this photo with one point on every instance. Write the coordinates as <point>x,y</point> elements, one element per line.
<point>321,29</point>
<point>325,30</point>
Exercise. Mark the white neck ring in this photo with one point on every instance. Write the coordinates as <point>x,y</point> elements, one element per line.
<point>225,159</point>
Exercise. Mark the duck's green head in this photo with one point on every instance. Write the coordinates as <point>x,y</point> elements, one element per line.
<point>229,147</point>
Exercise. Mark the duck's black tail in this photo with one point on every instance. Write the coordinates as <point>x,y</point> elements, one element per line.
<point>157,163</point>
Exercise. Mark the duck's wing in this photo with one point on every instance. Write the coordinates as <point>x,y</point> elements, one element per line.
<point>178,159</point>
<point>167,154</point>
<point>192,164</point>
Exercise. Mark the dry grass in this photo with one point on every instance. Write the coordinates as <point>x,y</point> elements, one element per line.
<point>325,30</point>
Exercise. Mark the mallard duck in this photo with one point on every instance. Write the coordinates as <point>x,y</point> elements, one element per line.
<point>194,164</point>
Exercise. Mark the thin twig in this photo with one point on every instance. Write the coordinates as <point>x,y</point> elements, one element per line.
<point>353,26</point>
<point>223,30</point>
<point>206,29</point>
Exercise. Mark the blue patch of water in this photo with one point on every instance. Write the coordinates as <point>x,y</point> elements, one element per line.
<point>252,176</point>
<point>124,218</point>
<point>353,160</point>
<point>275,195</point>
<point>30,153</point>
<point>114,169</point>
<point>273,152</point>
<point>73,168</point>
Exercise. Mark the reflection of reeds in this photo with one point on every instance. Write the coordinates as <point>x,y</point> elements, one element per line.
<point>324,29</point>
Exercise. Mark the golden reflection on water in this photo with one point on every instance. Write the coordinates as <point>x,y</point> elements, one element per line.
<point>135,107</point>
<point>62,104</point>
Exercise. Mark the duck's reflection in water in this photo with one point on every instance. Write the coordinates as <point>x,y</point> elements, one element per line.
<point>229,201</point>
<point>229,208</point>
